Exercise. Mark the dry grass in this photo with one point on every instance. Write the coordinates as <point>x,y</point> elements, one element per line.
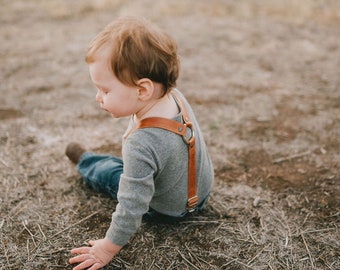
<point>243,228</point>
<point>270,117</point>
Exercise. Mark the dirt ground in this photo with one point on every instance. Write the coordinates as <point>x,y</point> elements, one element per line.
<point>264,80</point>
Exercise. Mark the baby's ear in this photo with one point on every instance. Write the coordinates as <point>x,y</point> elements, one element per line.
<point>145,89</point>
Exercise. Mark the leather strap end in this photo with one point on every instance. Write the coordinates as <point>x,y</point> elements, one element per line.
<point>192,203</point>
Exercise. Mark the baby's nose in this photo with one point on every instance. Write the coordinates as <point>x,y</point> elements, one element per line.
<point>98,98</point>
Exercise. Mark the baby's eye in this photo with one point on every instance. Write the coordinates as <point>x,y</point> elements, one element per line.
<point>102,90</point>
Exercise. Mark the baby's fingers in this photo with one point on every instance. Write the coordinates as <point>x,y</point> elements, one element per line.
<point>80,250</point>
<point>85,264</point>
<point>80,258</point>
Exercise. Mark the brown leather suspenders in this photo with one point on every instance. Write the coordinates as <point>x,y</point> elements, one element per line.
<point>180,129</point>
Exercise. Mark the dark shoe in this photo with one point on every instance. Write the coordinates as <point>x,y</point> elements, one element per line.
<point>74,152</point>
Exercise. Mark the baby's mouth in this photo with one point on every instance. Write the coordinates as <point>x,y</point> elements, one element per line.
<point>102,107</point>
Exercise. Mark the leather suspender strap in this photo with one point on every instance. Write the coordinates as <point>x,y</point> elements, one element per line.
<point>180,129</point>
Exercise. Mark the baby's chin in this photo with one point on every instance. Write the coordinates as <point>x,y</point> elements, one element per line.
<point>112,114</point>
<point>106,110</point>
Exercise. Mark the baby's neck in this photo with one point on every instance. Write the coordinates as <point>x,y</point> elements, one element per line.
<point>164,107</point>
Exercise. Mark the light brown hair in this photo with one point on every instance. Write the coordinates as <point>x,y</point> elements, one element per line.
<point>138,49</point>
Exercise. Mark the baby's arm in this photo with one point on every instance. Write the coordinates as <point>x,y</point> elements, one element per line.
<point>97,255</point>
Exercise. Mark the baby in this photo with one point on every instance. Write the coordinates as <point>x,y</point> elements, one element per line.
<point>165,171</point>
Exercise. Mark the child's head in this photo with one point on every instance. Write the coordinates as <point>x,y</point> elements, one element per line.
<point>137,49</point>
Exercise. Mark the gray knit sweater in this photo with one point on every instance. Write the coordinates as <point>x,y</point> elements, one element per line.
<point>155,175</point>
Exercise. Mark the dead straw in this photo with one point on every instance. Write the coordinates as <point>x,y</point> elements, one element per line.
<point>280,160</point>
<point>309,254</point>
<point>75,224</point>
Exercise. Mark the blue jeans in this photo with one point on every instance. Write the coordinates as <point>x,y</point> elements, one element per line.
<point>102,174</point>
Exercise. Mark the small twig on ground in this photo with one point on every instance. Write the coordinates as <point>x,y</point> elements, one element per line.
<point>197,258</point>
<point>230,262</point>
<point>271,268</point>
<point>279,160</point>
<point>241,263</point>
<point>251,236</point>
<point>30,233</point>
<point>183,257</point>
<point>309,254</point>
<point>170,266</point>
<point>219,255</point>
<point>41,231</point>
<point>28,248</point>
<point>125,263</point>
<point>75,224</point>
<point>250,261</point>
<point>201,221</point>
<point>151,265</point>
<point>321,230</point>
<point>4,163</point>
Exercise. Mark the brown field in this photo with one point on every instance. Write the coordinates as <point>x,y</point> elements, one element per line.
<point>264,79</point>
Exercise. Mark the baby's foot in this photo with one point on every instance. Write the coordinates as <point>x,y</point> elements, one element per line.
<point>74,151</point>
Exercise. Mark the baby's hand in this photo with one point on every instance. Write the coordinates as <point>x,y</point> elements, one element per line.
<point>99,254</point>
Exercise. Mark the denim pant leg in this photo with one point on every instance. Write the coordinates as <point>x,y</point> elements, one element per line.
<point>101,172</point>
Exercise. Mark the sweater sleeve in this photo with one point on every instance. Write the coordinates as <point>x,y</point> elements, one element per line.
<point>136,189</point>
